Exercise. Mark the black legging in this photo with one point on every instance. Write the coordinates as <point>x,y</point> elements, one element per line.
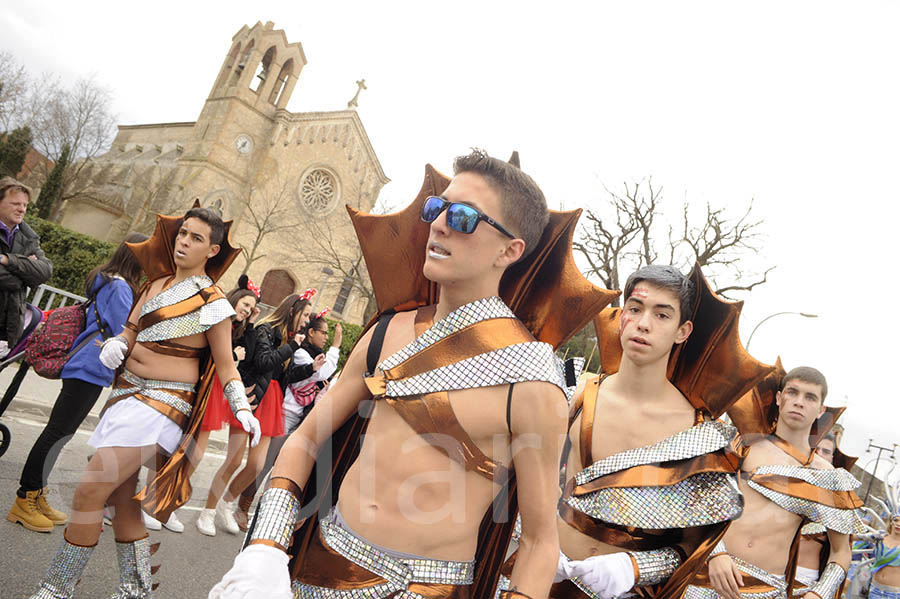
<point>71,408</point>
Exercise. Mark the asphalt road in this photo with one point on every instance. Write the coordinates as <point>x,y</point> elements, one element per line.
<point>191,562</point>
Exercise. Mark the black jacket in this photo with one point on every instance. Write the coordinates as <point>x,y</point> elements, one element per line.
<point>266,362</point>
<point>16,277</point>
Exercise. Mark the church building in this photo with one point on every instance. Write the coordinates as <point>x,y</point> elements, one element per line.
<point>283,177</point>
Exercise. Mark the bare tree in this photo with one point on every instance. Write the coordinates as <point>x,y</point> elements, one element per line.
<point>627,234</point>
<point>269,207</point>
<point>14,85</point>
<point>79,117</point>
<point>331,243</point>
<point>154,191</point>
<point>722,243</point>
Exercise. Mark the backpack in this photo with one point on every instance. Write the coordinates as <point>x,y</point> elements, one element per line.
<point>50,346</point>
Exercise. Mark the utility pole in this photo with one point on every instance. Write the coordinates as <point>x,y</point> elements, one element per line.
<point>880,449</point>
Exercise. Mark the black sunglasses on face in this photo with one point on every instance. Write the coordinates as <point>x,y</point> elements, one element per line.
<point>460,217</point>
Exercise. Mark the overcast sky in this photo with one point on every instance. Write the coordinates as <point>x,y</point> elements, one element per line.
<point>792,104</point>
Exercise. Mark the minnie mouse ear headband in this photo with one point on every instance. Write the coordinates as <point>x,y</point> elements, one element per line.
<point>323,312</point>
<point>308,294</point>
<point>244,282</point>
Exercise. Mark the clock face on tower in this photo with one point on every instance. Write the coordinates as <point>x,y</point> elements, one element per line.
<point>243,143</point>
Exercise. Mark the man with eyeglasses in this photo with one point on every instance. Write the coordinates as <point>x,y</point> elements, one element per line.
<point>458,398</point>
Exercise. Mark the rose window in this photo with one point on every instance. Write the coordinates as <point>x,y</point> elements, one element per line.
<point>318,191</point>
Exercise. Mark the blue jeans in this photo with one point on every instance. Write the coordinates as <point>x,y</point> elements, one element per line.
<point>882,591</point>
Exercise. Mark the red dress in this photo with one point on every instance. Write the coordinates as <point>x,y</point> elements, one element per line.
<point>269,412</point>
<point>218,411</point>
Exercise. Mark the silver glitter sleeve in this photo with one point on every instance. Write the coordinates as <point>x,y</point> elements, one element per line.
<point>236,396</point>
<point>829,582</point>
<point>655,566</point>
<point>277,515</point>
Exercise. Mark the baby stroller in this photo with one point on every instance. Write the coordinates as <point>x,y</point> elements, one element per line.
<point>33,317</point>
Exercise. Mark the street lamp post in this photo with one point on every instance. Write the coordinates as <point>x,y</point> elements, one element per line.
<point>880,449</point>
<point>803,314</point>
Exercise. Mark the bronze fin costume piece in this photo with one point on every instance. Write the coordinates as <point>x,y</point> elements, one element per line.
<point>824,499</point>
<point>442,354</point>
<point>171,488</point>
<point>680,492</point>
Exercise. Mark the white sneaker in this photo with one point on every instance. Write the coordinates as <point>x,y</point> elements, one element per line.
<point>206,522</point>
<point>150,522</point>
<point>108,515</point>
<point>225,517</point>
<point>174,524</point>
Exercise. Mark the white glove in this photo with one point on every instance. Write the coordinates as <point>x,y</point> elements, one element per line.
<point>607,575</point>
<point>112,354</point>
<point>258,571</point>
<point>250,424</point>
<point>563,568</point>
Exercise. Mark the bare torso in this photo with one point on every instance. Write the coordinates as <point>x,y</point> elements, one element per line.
<point>810,552</point>
<point>149,364</point>
<point>620,425</point>
<point>765,531</point>
<point>421,501</point>
<point>889,575</point>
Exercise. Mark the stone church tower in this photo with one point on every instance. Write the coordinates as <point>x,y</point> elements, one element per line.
<point>283,177</point>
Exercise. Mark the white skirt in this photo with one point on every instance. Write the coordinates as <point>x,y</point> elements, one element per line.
<point>132,423</point>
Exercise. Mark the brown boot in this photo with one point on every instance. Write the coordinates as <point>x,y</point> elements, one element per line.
<point>26,512</point>
<point>57,517</point>
<point>242,513</point>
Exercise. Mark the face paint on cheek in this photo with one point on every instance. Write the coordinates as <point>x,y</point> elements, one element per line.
<point>624,321</point>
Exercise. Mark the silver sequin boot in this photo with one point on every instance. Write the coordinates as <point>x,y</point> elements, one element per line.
<point>134,569</point>
<point>64,572</point>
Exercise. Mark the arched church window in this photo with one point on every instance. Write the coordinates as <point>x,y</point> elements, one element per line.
<point>286,69</point>
<point>242,63</point>
<point>232,56</point>
<point>319,191</point>
<point>262,71</point>
<point>219,200</point>
<point>340,303</point>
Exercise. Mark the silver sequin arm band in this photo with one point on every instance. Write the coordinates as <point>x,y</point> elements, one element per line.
<point>277,515</point>
<point>719,549</point>
<point>655,566</point>
<point>236,396</point>
<point>829,582</point>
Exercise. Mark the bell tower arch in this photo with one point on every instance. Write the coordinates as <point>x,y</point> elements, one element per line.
<point>261,68</point>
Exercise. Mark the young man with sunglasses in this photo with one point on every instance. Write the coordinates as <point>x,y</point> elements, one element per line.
<point>463,397</point>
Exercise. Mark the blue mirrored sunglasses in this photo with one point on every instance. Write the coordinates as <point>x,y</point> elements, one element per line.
<point>460,217</point>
